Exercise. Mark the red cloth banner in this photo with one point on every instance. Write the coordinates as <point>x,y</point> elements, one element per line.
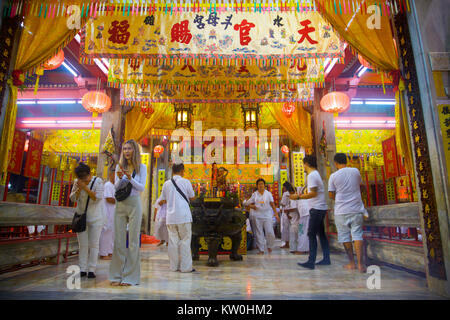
<point>390,157</point>
<point>15,162</point>
<point>34,155</point>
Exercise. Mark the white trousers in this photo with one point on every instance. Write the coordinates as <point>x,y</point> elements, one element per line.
<point>303,240</point>
<point>125,265</point>
<point>285,225</point>
<point>88,243</point>
<point>179,248</point>
<point>161,232</point>
<point>253,226</point>
<point>293,231</point>
<point>264,230</point>
<point>106,242</point>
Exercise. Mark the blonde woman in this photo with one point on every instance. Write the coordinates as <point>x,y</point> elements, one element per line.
<point>125,267</point>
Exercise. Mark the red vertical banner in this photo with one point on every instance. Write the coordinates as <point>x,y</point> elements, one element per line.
<point>401,167</point>
<point>33,163</point>
<point>390,157</point>
<point>15,162</point>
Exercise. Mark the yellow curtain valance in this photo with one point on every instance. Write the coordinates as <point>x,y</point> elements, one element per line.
<point>376,44</point>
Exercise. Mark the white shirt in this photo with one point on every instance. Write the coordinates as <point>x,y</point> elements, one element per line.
<point>262,203</point>
<point>95,214</point>
<point>109,192</point>
<point>162,210</point>
<point>315,181</point>
<point>285,200</point>
<point>346,184</point>
<point>303,206</point>
<point>178,210</point>
<point>138,181</point>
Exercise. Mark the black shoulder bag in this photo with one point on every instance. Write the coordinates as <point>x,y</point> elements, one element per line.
<point>180,192</point>
<point>123,193</point>
<point>79,220</point>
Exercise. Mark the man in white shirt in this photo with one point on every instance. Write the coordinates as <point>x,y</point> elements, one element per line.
<point>344,187</point>
<point>317,213</point>
<point>109,205</point>
<point>179,219</point>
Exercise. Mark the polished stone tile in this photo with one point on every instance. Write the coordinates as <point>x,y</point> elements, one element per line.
<point>271,276</point>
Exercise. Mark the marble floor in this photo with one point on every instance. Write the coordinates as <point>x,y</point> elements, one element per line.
<point>272,276</point>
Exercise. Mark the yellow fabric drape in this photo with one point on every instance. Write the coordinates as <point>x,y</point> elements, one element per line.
<point>8,128</point>
<point>42,38</point>
<point>402,128</point>
<point>297,127</point>
<point>39,41</point>
<point>137,125</point>
<point>376,45</point>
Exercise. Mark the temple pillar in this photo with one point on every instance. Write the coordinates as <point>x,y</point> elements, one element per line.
<point>323,121</point>
<point>114,118</point>
<point>415,45</point>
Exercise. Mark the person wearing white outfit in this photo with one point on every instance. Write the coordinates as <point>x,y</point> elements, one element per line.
<point>285,222</point>
<point>109,205</point>
<point>262,202</point>
<point>125,267</point>
<point>344,187</point>
<point>161,232</point>
<point>88,187</point>
<point>294,219</point>
<point>303,223</point>
<point>179,219</point>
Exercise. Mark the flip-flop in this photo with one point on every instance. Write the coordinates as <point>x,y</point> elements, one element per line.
<point>123,284</point>
<point>115,283</point>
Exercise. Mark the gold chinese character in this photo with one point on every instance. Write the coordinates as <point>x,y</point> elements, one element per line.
<point>420,166</point>
<point>413,112</point>
<point>415,125</point>
<point>411,99</point>
<point>417,138</point>
<point>419,153</point>
<point>389,155</point>
<point>422,179</point>
<point>409,87</point>
<point>425,194</point>
<point>430,237</point>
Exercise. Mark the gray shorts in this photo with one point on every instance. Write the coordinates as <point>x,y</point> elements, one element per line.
<point>349,226</point>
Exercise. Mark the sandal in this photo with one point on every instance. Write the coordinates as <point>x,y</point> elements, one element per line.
<point>115,283</point>
<point>123,284</point>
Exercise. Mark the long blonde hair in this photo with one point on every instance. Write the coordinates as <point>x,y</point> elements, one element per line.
<point>135,159</point>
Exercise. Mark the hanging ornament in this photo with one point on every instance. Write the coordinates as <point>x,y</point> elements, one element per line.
<point>96,102</point>
<point>285,150</point>
<point>364,62</point>
<point>53,161</point>
<point>18,78</point>
<point>335,102</point>
<point>55,61</point>
<point>158,150</point>
<point>288,109</point>
<point>147,110</point>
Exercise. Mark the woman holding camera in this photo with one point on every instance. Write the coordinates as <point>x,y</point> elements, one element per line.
<point>125,268</point>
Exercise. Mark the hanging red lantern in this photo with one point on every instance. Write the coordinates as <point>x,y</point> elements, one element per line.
<point>288,109</point>
<point>147,110</point>
<point>335,102</point>
<point>158,150</point>
<point>364,62</point>
<point>285,150</point>
<point>96,102</point>
<point>55,61</point>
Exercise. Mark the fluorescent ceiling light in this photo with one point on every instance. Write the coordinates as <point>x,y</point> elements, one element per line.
<point>56,101</point>
<point>342,121</point>
<point>381,102</point>
<point>38,121</point>
<point>73,121</point>
<point>105,62</point>
<point>392,121</point>
<point>368,121</point>
<point>363,70</point>
<point>357,102</point>
<point>101,66</point>
<point>331,65</point>
<point>70,69</point>
<point>26,102</point>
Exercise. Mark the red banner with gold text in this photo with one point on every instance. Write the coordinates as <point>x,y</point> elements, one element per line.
<point>33,163</point>
<point>15,162</point>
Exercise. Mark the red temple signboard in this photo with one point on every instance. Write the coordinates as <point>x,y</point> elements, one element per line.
<point>15,163</point>
<point>390,157</point>
<point>33,163</point>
